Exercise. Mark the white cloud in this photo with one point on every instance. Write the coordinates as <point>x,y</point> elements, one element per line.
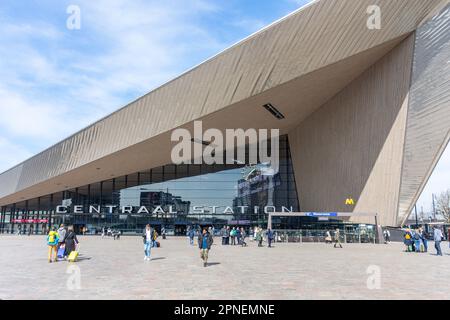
<point>54,81</point>
<point>27,118</point>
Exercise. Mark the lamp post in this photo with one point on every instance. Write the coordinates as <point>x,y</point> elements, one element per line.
<point>415,210</point>
<point>434,207</point>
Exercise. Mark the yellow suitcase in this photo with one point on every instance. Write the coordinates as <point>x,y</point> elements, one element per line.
<point>73,256</point>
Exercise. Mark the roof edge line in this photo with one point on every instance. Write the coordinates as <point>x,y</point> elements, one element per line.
<point>168,81</point>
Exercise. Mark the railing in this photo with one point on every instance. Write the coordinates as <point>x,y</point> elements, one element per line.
<point>317,236</point>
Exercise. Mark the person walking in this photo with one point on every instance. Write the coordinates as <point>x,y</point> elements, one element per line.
<point>438,236</point>
<point>424,238</point>
<point>191,235</point>
<point>116,234</point>
<point>238,235</point>
<point>228,236</point>
<point>269,237</point>
<point>243,235</point>
<point>328,238</point>
<point>416,238</point>
<point>147,237</point>
<point>61,234</point>
<point>387,236</point>
<point>70,241</point>
<point>52,242</point>
<point>205,241</point>
<point>155,236</point>
<point>259,236</point>
<point>337,240</point>
<point>407,240</point>
<point>233,236</point>
<point>223,233</point>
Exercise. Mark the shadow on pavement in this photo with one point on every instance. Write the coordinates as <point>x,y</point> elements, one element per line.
<point>209,264</point>
<point>157,258</point>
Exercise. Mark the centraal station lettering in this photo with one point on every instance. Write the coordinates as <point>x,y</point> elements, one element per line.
<point>160,209</point>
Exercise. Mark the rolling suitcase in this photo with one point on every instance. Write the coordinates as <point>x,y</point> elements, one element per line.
<point>61,252</point>
<point>73,256</point>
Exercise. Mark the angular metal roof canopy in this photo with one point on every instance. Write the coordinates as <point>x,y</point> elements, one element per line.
<point>315,51</point>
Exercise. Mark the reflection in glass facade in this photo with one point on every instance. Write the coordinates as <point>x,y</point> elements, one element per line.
<point>173,196</point>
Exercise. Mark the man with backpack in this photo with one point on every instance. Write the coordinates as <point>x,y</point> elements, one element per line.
<point>408,240</point>
<point>205,241</point>
<point>52,242</point>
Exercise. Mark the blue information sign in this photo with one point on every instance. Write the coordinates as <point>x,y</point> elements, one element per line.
<point>322,214</point>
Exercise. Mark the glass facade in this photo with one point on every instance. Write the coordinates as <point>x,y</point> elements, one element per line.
<point>173,196</point>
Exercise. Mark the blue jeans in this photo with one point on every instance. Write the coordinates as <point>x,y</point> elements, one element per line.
<point>191,241</point>
<point>425,244</point>
<point>437,245</point>
<point>147,248</point>
<point>417,245</point>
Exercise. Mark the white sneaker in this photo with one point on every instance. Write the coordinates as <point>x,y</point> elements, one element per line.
<point>145,258</point>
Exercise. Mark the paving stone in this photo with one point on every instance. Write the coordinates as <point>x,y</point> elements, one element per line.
<point>116,270</point>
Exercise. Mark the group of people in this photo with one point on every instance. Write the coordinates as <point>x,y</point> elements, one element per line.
<point>258,235</point>
<point>237,235</point>
<point>416,240</point>
<point>63,240</point>
<point>204,241</point>
<point>336,240</point>
<point>111,233</point>
<point>233,236</point>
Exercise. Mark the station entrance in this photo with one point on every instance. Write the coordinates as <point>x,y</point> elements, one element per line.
<point>318,226</point>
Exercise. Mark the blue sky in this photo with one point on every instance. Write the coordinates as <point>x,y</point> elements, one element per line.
<point>55,81</point>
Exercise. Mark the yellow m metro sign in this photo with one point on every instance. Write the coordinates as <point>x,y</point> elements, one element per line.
<point>349,202</point>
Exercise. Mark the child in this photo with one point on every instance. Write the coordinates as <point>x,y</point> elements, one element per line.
<point>52,242</point>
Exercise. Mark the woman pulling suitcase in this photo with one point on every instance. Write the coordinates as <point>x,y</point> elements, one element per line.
<point>70,241</point>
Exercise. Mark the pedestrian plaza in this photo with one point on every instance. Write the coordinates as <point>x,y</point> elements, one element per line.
<point>115,269</point>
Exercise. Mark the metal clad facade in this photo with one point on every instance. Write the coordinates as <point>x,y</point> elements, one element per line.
<point>428,123</point>
<point>323,33</point>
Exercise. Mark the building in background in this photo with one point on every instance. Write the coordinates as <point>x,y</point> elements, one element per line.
<point>364,114</point>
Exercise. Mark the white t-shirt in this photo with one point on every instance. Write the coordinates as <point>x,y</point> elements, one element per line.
<point>148,236</point>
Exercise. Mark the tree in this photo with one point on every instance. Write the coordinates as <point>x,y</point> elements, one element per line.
<point>443,204</point>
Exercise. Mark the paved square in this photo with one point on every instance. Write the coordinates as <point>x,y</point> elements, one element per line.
<point>116,270</point>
